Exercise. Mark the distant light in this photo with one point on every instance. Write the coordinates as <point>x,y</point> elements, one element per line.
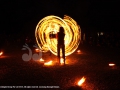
<point>111,64</point>
<point>84,36</point>
<point>1,53</point>
<point>101,33</point>
<point>81,81</point>
<point>98,34</point>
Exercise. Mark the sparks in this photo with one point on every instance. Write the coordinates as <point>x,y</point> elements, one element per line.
<point>49,26</point>
<point>81,81</point>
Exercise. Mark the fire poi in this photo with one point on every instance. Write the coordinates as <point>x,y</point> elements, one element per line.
<point>47,29</point>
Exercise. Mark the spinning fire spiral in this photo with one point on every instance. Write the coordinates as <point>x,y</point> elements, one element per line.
<point>47,29</point>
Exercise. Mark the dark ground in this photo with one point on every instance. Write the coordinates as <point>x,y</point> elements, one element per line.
<point>92,63</point>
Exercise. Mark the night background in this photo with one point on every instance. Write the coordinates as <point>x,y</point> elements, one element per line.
<point>18,20</point>
<point>20,17</point>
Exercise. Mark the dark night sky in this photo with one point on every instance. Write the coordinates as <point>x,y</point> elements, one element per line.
<point>21,16</point>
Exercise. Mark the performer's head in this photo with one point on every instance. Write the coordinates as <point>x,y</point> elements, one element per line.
<point>61,30</point>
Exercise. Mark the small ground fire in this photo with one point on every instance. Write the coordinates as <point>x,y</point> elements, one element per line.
<point>41,60</point>
<point>1,53</point>
<point>111,64</point>
<point>81,81</point>
<point>48,63</point>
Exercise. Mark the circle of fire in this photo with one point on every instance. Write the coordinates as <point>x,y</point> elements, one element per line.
<point>50,26</point>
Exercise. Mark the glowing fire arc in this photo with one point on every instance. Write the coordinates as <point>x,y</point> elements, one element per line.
<point>47,29</point>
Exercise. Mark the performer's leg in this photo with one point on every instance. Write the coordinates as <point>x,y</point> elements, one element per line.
<point>63,52</point>
<point>58,52</point>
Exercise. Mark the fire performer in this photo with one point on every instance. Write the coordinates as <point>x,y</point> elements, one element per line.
<point>60,44</point>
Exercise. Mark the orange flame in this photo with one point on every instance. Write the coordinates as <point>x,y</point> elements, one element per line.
<point>1,53</point>
<point>41,60</point>
<point>81,81</point>
<point>37,50</point>
<point>111,64</point>
<point>48,63</point>
<point>78,51</point>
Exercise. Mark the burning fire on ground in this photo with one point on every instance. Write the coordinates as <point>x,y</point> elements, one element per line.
<point>111,64</point>
<point>1,53</point>
<point>78,51</point>
<point>37,50</point>
<point>48,63</point>
<point>81,81</point>
<point>61,61</point>
<point>41,60</point>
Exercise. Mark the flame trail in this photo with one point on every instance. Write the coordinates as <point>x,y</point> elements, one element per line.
<point>50,25</point>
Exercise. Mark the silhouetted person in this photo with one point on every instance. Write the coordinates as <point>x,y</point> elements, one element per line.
<point>60,45</point>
